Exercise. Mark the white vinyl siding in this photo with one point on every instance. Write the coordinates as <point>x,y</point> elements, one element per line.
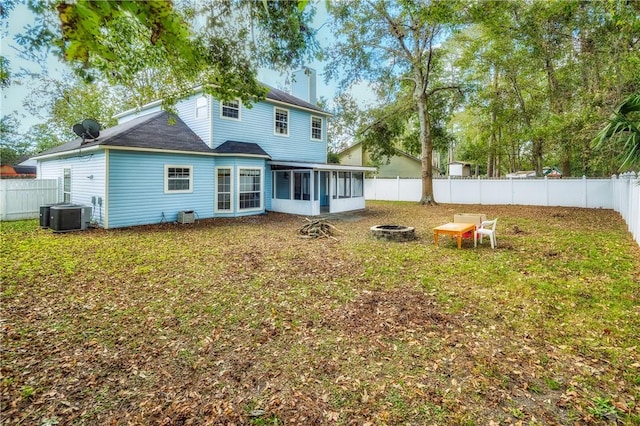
<point>230,110</point>
<point>250,186</point>
<point>178,179</point>
<point>280,121</point>
<point>224,186</point>
<point>316,128</point>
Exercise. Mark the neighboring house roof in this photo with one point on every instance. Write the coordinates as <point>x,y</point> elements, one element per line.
<point>152,131</point>
<point>241,148</point>
<point>25,170</point>
<point>398,151</point>
<point>464,163</point>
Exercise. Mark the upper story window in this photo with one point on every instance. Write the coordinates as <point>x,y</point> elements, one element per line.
<point>230,109</point>
<point>316,128</point>
<point>202,107</point>
<point>178,179</point>
<point>281,121</point>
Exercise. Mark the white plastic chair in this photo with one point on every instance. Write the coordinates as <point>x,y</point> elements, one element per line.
<point>488,228</point>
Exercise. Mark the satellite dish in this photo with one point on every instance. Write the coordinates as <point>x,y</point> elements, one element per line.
<point>92,128</point>
<point>78,129</point>
<point>88,129</point>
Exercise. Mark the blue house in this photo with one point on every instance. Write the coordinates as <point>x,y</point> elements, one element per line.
<point>216,159</point>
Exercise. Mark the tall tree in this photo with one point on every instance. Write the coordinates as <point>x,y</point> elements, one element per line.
<point>13,145</point>
<point>392,43</point>
<point>63,103</point>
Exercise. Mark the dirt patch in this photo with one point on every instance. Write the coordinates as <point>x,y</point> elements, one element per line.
<point>389,313</point>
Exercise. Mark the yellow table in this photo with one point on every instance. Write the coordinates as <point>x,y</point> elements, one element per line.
<point>456,230</point>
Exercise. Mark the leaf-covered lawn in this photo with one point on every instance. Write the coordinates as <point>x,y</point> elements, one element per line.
<point>240,321</point>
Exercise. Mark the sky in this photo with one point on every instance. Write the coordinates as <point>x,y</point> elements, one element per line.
<point>13,97</point>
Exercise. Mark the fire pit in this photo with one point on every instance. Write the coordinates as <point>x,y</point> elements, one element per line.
<point>393,232</point>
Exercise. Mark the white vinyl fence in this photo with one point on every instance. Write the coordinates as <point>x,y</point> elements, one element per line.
<point>22,198</point>
<point>621,193</point>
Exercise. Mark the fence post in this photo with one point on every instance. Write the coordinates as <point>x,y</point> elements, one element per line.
<point>479,190</point>
<point>546,190</point>
<point>585,191</point>
<point>375,188</point>
<point>398,188</point>
<point>450,191</point>
<point>512,190</point>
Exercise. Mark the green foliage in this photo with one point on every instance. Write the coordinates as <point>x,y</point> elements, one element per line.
<point>67,102</point>
<point>623,132</point>
<point>333,158</point>
<point>13,145</point>
<point>161,50</point>
<point>541,78</point>
<point>5,74</point>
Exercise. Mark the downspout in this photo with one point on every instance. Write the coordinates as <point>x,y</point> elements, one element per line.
<point>211,121</point>
<point>106,188</point>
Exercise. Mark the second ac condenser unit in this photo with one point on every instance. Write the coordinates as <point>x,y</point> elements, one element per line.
<point>45,214</point>
<point>69,218</point>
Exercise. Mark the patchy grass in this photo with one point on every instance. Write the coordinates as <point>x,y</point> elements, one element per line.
<point>239,321</point>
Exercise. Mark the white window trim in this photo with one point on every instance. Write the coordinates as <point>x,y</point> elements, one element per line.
<point>284,135</point>
<point>311,128</point>
<point>166,179</point>
<point>231,118</point>
<point>252,209</point>
<point>216,209</point>
<point>205,107</point>
<point>70,183</point>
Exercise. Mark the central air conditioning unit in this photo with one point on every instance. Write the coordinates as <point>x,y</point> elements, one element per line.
<point>69,218</point>
<point>187,216</point>
<point>45,213</point>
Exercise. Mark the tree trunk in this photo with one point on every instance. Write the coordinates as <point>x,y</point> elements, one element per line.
<point>427,148</point>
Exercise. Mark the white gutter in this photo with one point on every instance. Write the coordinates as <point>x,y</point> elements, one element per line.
<point>322,166</point>
<point>77,151</point>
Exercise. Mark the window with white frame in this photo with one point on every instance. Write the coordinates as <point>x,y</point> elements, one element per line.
<point>230,109</point>
<point>202,107</point>
<point>223,189</point>
<point>250,189</point>
<point>66,185</point>
<point>281,121</point>
<point>316,128</point>
<point>178,179</point>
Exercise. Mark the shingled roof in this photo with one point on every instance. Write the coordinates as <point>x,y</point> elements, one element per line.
<point>241,148</point>
<point>280,96</point>
<point>158,130</point>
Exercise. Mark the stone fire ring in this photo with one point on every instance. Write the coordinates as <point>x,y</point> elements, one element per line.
<point>393,232</point>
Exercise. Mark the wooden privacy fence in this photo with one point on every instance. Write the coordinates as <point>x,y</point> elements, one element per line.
<point>22,198</point>
<point>621,193</point>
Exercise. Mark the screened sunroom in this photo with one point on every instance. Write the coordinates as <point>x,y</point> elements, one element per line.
<point>312,189</point>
